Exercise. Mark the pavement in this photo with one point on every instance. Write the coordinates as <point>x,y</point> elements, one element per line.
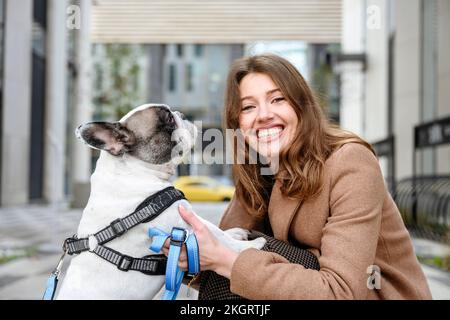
<point>35,233</point>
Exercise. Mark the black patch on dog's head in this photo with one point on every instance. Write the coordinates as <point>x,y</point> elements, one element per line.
<point>146,134</point>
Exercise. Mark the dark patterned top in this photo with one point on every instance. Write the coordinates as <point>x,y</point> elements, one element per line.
<point>216,287</point>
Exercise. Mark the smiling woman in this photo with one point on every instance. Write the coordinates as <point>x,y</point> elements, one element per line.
<point>269,100</point>
<point>328,196</point>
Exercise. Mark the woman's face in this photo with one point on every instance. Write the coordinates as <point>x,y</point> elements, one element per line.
<point>267,120</point>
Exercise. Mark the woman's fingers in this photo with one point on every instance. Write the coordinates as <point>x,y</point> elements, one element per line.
<point>190,218</point>
<point>196,224</point>
<point>183,266</point>
<point>165,250</point>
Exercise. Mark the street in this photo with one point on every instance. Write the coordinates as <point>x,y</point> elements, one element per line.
<point>37,232</point>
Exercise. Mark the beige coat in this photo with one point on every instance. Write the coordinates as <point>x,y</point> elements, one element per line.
<point>351,225</point>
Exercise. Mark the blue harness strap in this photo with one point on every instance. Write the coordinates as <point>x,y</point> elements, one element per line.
<point>174,275</point>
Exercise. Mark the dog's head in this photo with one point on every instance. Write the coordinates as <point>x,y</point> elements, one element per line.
<point>151,132</point>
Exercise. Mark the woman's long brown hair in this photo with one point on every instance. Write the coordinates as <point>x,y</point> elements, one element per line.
<point>302,165</point>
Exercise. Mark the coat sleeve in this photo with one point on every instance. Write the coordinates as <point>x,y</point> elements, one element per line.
<point>348,245</point>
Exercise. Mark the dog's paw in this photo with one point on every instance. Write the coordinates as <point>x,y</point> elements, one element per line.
<point>258,243</point>
<point>238,233</point>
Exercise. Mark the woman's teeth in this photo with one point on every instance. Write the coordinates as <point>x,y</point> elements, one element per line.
<point>263,133</point>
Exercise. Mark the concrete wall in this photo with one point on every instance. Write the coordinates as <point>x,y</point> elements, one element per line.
<point>422,81</point>
<point>406,82</point>
<point>55,102</point>
<point>364,93</point>
<point>376,84</point>
<point>443,38</point>
<point>421,75</point>
<point>16,102</point>
<point>352,76</point>
<point>81,155</point>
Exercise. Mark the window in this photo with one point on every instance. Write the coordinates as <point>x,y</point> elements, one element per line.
<point>179,50</point>
<point>172,78</point>
<point>188,77</point>
<point>198,50</point>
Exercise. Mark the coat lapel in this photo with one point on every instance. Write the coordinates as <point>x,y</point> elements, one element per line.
<point>281,212</point>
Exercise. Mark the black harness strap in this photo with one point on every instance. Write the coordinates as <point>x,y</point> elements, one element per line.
<point>150,265</point>
<point>75,246</point>
<point>148,210</point>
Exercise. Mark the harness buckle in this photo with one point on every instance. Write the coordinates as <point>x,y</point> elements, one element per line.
<point>118,227</point>
<point>124,263</point>
<point>178,242</point>
<point>70,249</point>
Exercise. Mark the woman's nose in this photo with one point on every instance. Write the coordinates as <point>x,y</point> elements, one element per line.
<point>264,113</point>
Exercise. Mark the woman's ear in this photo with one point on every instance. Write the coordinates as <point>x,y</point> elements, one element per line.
<point>108,136</point>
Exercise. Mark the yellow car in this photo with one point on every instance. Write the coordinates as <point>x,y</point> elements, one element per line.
<point>203,188</point>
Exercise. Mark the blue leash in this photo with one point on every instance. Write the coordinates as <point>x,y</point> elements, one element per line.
<point>52,281</point>
<point>174,275</point>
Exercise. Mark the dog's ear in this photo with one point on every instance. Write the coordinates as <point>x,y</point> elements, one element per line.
<point>109,136</point>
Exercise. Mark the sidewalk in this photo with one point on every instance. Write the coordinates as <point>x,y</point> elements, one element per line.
<point>43,229</point>
<point>438,280</point>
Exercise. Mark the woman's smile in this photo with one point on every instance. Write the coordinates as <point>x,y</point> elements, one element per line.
<point>269,134</point>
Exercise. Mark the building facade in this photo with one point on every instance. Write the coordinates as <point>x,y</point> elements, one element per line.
<point>395,74</point>
<point>40,75</point>
<point>47,78</point>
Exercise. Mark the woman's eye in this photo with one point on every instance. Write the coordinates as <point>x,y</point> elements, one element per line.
<point>245,108</point>
<point>277,99</point>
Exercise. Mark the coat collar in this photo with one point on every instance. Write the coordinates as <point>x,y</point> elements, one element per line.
<point>282,210</point>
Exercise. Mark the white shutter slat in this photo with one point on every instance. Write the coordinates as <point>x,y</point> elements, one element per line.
<point>214,21</point>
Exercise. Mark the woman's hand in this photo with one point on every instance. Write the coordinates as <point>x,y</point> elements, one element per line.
<point>213,255</point>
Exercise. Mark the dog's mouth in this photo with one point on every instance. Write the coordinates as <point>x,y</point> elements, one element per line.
<point>178,118</point>
<point>182,116</point>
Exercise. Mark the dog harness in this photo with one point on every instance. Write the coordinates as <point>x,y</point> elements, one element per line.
<point>148,210</point>
<point>174,275</point>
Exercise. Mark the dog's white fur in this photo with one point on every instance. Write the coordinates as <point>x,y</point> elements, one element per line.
<point>118,186</point>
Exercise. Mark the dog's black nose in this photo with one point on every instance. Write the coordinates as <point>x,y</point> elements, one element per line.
<point>169,118</point>
<point>166,118</point>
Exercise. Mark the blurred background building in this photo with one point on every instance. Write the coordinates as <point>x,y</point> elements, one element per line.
<point>67,62</point>
<point>395,75</point>
<point>44,95</point>
<point>379,67</point>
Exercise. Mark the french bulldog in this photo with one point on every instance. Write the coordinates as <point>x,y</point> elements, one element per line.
<point>139,154</point>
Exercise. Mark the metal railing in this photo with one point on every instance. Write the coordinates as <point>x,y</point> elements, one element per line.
<point>424,203</point>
